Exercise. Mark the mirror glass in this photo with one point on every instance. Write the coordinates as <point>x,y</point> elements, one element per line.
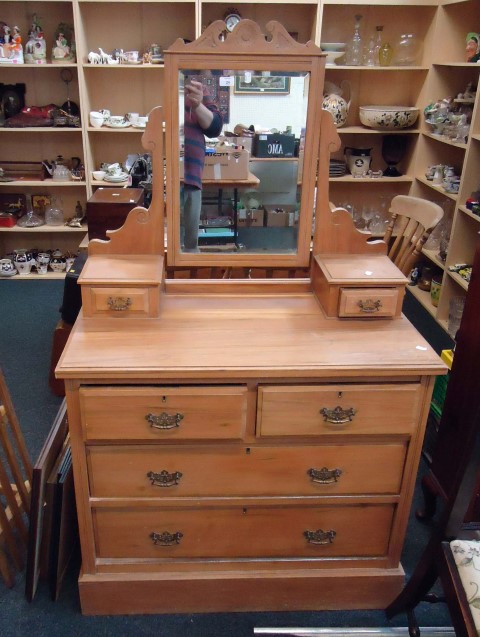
<point>247,198</point>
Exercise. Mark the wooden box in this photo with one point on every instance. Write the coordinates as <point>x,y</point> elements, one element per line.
<point>108,208</point>
<point>359,286</point>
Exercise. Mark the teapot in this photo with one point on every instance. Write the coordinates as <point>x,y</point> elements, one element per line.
<point>335,103</point>
<point>358,160</point>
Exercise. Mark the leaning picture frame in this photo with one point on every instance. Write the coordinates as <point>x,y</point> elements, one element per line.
<point>262,84</point>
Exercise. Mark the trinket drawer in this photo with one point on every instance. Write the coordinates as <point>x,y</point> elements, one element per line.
<point>211,476</point>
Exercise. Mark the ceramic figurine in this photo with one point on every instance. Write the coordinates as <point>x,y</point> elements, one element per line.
<point>63,49</point>
<point>36,47</point>
<point>11,49</point>
<point>472,49</point>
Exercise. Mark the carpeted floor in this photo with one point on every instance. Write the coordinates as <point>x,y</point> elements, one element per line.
<point>29,311</point>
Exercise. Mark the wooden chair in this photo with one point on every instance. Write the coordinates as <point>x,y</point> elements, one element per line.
<point>411,223</point>
<point>452,484</point>
<point>15,485</point>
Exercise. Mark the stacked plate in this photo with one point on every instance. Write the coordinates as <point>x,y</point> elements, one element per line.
<point>118,178</point>
<point>338,168</point>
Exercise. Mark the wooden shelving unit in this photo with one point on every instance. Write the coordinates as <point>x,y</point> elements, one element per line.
<point>439,71</point>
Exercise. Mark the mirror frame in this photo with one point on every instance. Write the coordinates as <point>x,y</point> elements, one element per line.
<point>246,47</point>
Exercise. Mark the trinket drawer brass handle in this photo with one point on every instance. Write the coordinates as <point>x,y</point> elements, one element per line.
<point>319,536</point>
<point>164,421</point>
<point>324,475</point>
<point>338,416</point>
<point>165,538</point>
<point>164,478</point>
<point>119,303</point>
<point>369,306</point>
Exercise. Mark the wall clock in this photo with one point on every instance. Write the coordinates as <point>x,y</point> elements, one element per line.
<point>232,18</point>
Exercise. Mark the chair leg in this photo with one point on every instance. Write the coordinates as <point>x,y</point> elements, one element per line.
<point>413,627</point>
<point>429,500</point>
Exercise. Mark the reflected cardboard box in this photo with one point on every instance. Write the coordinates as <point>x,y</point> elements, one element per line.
<point>281,216</point>
<point>250,218</point>
<point>274,145</point>
<point>228,163</point>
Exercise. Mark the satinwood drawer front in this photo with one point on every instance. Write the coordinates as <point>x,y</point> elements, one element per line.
<point>343,409</point>
<point>368,302</point>
<point>247,471</point>
<point>163,413</point>
<point>121,302</point>
<point>238,532</point>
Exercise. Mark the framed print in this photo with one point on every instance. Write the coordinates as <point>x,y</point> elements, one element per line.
<point>262,84</point>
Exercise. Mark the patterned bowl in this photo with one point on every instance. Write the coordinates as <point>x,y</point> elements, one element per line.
<point>388,117</point>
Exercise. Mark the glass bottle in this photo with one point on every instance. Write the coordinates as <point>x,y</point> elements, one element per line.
<point>378,43</point>
<point>54,213</point>
<point>385,54</point>
<point>354,55</point>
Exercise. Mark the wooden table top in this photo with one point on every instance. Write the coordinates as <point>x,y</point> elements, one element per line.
<point>215,336</point>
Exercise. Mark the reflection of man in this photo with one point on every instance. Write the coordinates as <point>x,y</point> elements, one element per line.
<point>202,118</point>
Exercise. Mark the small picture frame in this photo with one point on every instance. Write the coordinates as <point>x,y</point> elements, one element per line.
<point>262,84</point>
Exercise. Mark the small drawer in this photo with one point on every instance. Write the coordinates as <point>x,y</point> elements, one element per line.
<point>243,532</point>
<point>163,413</point>
<point>338,409</point>
<point>368,302</point>
<point>120,302</point>
<point>216,471</point>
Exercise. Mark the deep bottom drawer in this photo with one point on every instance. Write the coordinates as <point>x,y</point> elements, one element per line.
<point>288,531</point>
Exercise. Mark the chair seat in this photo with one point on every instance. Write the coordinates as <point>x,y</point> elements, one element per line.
<point>466,554</point>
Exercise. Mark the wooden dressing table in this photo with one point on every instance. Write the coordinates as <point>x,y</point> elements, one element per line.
<point>234,447</point>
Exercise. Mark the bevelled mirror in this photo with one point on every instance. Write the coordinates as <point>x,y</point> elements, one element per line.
<point>242,145</point>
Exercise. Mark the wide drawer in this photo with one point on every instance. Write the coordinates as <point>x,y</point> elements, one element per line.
<point>160,472</point>
<point>296,531</point>
<point>343,409</point>
<point>163,413</point>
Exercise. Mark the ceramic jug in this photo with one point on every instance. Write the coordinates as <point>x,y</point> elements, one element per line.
<point>336,100</point>
<point>358,160</point>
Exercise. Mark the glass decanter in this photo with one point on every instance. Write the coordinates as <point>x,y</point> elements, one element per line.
<point>54,213</point>
<point>354,55</point>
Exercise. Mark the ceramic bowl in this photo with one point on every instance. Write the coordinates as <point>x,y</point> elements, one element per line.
<point>333,56</point>
<point>332,46</point>
<point>388,117</point>
<point>98,174</point>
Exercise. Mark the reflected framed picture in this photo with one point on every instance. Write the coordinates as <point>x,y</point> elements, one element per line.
<point>262,84</point>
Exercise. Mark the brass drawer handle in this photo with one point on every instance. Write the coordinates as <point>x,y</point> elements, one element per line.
<point>119,303</point>
<point>369,306</point>
<point>338,415</point>
<point>164,478</point>
<point>324,475</point>
<point>164,420</point>
<point>166,538</point>
<point>320,537</point>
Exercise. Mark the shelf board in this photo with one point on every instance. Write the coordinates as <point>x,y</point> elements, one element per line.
<point>34,275</point>
<point>424,299</point>
<point>438,189</point>
<point>41,129</point>
<point>433,256</point>
<point>122,67</point>
<point>444,140</point>
<point>458,279</point>
<point>38,183</point>
<point>464,65</point>
<point>106,129</point>
<point>371,180</point>
<point>47,65</point>
<point>45,229</point>
<point>469,213</point>
<point>476,137</point>
<point>363,130</point>
<point>375,69</point>
<point>391,3</point>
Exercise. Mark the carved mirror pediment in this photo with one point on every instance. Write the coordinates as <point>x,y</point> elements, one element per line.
<point>252,203</point>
